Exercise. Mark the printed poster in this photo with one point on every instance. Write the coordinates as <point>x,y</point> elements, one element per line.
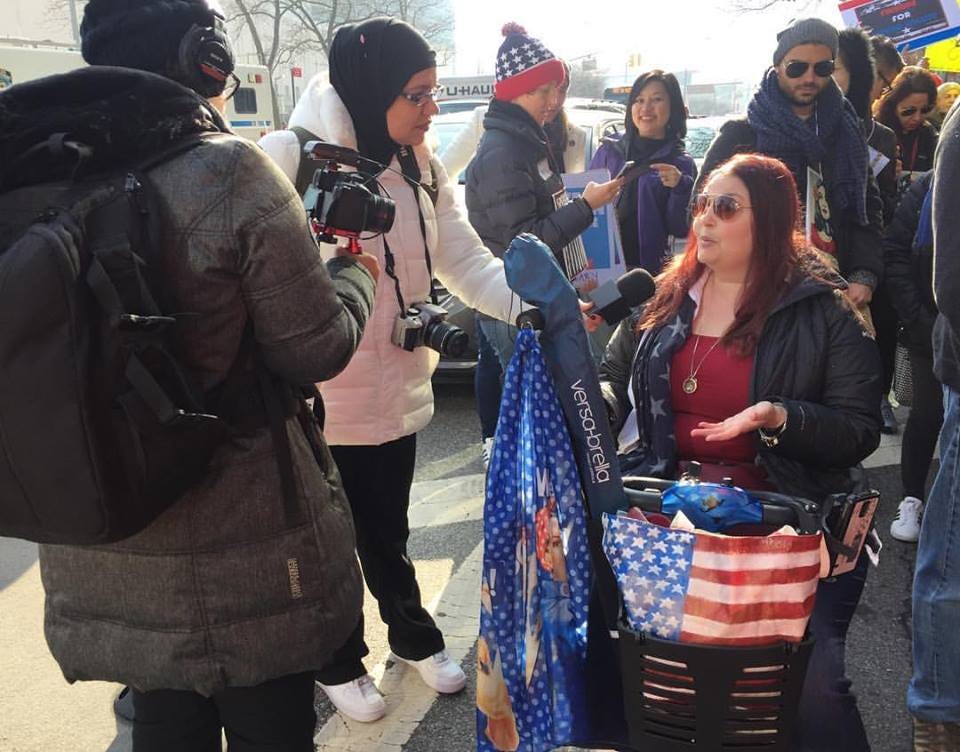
<point>601,241</point>
<point>913,23</point>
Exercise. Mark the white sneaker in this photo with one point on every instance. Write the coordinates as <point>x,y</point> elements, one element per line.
<point>486,451</point>
<point>358,699</point>
<point>906,525</point>
<point>438,672</point>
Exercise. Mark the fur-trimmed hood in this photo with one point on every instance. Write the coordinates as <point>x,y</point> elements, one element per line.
<point>122,114</point>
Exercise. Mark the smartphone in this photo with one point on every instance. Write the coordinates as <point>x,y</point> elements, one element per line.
<point>628,165</point>
<point>850,522</point>
<point>631,171</point>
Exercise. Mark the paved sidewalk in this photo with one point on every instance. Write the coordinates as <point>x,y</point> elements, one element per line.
<point>40,712</point>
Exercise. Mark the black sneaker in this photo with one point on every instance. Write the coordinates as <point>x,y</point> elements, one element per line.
<point>890,424</point>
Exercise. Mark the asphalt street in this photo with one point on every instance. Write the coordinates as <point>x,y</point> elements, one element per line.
<point>39,712</point>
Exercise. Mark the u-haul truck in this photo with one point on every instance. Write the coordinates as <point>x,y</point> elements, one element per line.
<point>249,112</point>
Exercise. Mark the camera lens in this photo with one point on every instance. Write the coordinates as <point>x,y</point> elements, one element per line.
<point>446,339</point>
<point>380,214</point>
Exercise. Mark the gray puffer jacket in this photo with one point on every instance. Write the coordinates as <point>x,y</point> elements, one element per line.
<point>511,185</point>
<point>217,592</point>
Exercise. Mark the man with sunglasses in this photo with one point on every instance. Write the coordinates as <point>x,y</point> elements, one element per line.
<point>799,116</point>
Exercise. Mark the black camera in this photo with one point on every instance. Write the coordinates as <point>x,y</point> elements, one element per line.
<point>423,325</point>
<point>339,203</point>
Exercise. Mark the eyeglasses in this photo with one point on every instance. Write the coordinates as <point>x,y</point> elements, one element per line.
<point>887,84</point>
<point>911,111</point>
<point>725,207</point>
<point>796,68</point>
<point>420,98</point>
<point>232,86</point>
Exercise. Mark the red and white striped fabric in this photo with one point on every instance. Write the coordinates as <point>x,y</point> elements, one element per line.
<point>713,589</point>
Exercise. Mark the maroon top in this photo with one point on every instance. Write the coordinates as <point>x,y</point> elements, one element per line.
<point>723,390</point>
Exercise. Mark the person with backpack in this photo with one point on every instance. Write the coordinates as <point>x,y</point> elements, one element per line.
<point>229,592</point>
<point>380,101</point>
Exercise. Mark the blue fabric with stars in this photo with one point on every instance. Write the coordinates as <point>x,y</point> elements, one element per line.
<point>531,653</point>
<point>652,567</point>
<point>656,452</point>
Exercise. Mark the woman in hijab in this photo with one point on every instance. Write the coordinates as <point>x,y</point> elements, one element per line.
<point>380,101</point>
<point>653,207</point>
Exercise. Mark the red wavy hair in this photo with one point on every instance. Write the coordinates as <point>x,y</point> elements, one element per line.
<point>778,247</point>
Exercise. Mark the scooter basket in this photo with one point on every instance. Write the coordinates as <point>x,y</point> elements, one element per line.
<point>680,696</point>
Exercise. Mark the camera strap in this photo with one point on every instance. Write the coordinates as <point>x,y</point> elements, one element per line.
<point>411,173</point>
<point>390,267</point>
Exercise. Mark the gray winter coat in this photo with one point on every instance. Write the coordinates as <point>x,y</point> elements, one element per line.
<point>216,592</point>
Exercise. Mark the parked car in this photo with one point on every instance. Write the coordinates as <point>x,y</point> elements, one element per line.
<point>700,134</point>
<point>602,120</point>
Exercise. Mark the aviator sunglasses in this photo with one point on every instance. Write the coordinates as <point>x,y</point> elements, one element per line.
<point>911,111</point>
<point>724,207</point>
<point>796,68</point>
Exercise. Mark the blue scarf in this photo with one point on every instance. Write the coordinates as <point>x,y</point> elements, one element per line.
<point>832,134</point>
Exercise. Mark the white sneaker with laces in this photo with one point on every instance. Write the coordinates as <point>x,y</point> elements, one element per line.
<point>906,525</point>
<point>486,451</point>
<point>438,672</point>
<point>358,699</point>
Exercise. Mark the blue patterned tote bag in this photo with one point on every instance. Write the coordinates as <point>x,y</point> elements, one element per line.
<point>531,652</point>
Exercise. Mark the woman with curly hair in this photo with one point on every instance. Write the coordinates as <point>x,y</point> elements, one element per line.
<point>904,109</point>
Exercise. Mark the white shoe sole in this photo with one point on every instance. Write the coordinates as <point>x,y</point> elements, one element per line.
<point>902,538</point>
<point>363,717</point>
<point>445,689</point>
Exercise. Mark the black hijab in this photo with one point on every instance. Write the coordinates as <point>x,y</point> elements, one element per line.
<point>370,62</point>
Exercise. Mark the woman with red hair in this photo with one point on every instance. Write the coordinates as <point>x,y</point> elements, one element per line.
<point>749,360</point>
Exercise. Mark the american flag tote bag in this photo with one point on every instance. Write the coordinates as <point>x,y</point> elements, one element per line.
<point>710,589</point>
<point>531,652</point>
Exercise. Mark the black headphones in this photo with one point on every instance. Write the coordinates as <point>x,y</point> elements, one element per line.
<point>206,60</point>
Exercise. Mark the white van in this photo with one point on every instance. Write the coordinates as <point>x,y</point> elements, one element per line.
<point>249,111</point>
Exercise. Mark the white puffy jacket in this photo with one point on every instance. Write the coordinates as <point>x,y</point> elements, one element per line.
<point>385,391</point>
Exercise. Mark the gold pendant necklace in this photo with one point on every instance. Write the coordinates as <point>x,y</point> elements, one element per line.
<point>690,383</point>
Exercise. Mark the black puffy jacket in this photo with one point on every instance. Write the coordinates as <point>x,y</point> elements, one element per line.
<point>858,246</point>
<point>512,185</point>
<point>909,272</point>
<point>815,358</point>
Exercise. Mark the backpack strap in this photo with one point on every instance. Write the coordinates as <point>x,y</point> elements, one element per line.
<point>306,168</point>
<point>176,149</point>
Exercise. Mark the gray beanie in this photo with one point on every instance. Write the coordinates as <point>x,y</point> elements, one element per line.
<point>805,31</point>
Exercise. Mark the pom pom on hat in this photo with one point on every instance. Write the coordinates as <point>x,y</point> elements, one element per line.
<point>524,64</point>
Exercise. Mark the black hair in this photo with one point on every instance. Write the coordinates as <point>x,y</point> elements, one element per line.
<point>856,52</point>
<point>677,124</point>
<point>886,55</point>
<point>911,80</point>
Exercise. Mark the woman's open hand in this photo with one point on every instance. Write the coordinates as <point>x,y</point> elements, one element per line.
<point>761,415</point>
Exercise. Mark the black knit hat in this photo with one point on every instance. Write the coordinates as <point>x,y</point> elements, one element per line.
<point>142,34</point>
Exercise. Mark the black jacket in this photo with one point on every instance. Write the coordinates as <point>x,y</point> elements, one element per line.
<point>815,358</point>
<point>511,185</point>
<point>884,140</point>
<point>946,260</point>
<point>916,149</point>
<point>909,270</point>
<point>858,245</point>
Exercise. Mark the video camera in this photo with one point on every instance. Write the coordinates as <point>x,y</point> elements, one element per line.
<point>339,203</point>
